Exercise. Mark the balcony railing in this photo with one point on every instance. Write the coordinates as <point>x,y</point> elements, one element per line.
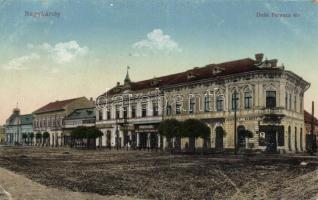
<point>131,120</point>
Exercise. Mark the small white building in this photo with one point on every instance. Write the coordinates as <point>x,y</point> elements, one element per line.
<point>18,128</point>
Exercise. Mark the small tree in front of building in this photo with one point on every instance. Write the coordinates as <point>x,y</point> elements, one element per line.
<point>170,128</point>
<point>31,136</point>
<point>46,137</point>
<point>38,138</point>
<point>194,128</point>
<point>24,137</point>
<point>92,134</point>
<point>86,136</point>
<point>78,135</point>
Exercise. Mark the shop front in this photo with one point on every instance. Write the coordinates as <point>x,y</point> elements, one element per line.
<point>147,136</point>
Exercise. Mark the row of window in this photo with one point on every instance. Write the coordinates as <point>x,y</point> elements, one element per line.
<point>248,102</point>
<point>44,123</point>
<point>144,112</point>
<point>292,106</point>
<point>271,99</point>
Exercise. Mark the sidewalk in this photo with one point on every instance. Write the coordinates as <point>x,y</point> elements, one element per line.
<point>18,187</point>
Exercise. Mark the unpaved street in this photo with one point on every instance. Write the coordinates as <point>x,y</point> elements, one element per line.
<point>105,174</point>
<point>18,187</point>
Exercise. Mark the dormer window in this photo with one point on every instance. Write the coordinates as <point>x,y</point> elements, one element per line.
<point>191,75</point>
<point>216,70</point>
<point>117,89</point>
<point>155,82</point>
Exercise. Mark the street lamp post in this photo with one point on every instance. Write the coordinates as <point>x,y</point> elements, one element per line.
<point>235,130</point>
<point>125,123</point>
<point>117,133</point>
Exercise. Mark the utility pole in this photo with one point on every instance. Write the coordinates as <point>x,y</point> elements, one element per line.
<point>235,131</point>
<point>312,142</point>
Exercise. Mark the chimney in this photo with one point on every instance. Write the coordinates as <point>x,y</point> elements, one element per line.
<point>273,63</point>
<point>91,99</point>
<point>118,83</point>
<point>259,57</point>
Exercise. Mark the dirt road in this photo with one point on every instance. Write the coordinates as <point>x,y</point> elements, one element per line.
<point>158,175</point>
<point>18,187</point>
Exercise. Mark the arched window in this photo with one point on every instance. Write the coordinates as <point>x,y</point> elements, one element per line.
<point>286,100</point>
<point>290,101</point>
<point>295,103</point>
<point>191,104</point>
<point>300,104</point>
<point>248,103</point>
<point>168,110</point>
<point>235,100</point>
<point>219,103</point>
<point>125,112</point>
<point>301,139</point>
<point>108,115</point>
<point>155,108</point>
<point>100,115</point>
<point>117,108</point>
<point>61,122</point>
<point>207,103</point>
<point>178,108</point>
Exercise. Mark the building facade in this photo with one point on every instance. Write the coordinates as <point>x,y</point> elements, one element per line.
<point>129,114</point>
<point>79,117</point>
<point>2,134</point>
<point>18,128</point>
<point>50,118</point>
<point>311,124</point>
<point>256,95</point>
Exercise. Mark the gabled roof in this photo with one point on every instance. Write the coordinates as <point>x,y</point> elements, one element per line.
<point>198,73</point>
<point>308,118</point>
<point>16,119</point>
<point>55,106</point>
<point>82,113</point>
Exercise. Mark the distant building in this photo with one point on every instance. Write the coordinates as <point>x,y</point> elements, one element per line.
<point>17,126</point>
<point>2,134</point>
<point>79,117</point>
<point>308,123</point>
<point>50,118</point>
<point>267,97</point>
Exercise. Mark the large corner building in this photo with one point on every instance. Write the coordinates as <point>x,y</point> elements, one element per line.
<point>268,100</point>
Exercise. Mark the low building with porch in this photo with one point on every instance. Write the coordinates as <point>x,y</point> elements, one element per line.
<point>79,117</point>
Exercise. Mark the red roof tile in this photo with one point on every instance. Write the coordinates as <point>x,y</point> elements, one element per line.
<point>54,106</point>
<point>308,118</point>
<point>199,73</point>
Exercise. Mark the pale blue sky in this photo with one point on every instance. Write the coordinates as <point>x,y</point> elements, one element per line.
<point>86,50</point>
